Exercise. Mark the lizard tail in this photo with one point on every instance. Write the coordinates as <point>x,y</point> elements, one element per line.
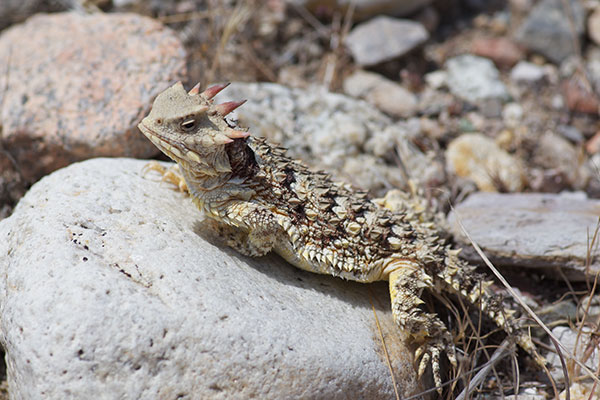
<point>462,280</point>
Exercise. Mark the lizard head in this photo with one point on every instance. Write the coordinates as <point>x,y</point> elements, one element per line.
<point>190,129</point>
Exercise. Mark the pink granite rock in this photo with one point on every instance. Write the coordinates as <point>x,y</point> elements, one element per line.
<point>75,86</point>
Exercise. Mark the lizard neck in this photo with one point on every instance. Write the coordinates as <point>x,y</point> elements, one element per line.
<point>210,187</point>
<point>200,184</point>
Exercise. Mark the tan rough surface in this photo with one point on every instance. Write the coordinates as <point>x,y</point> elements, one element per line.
<point>78,84</point>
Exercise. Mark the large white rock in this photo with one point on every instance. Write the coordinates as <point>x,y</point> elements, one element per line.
<point>110,289</point>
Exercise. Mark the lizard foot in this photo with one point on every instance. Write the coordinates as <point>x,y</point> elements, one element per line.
<point>170,175</point>
<point>429,353</point>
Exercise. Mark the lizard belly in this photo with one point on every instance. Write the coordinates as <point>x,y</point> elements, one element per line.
<point>286,250</point>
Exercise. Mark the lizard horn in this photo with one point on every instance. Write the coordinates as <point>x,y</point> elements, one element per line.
<point>195,90</point>
<point>222,139</point>
<point>213,90</point>
<point>226,108</point>
<point>235,134</point>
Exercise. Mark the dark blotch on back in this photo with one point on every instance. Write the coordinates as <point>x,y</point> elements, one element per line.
<point>289,178</point>
<point>241,158</point>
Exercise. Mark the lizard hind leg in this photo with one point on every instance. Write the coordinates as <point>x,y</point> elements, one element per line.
<point>407,280</point>
<point>462,280</point>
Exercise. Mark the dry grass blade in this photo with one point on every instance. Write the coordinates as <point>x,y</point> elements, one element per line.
<point>590,248</point>
<point>581,70</point>
<point>260,65</point>
<point>5,93</point>
<point>452,381</point>
<point>560,348</point>
<point>341,27</point>
<point>480,346</point>
<point>184,17</point>
<point>238,18</point>
<point>321,29</point>
<point>387,356</point>
<point>501,352</point>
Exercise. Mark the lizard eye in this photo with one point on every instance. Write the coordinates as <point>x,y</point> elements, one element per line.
<point>188,124</point>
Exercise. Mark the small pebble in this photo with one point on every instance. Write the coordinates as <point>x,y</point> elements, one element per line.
<point>480,159</point>
<point>474,78</point>
<point>526,72</point>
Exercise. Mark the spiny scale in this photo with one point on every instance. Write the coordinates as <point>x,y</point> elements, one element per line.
<point>264,201</point>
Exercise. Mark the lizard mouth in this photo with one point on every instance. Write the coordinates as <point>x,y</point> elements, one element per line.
<point>164,145</point>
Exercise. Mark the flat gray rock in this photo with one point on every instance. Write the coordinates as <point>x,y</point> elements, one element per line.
<point>537,230</point>
<point>78,84</point>
<point>384,38</point>
<point>548,31</point>
<point>111,288</point>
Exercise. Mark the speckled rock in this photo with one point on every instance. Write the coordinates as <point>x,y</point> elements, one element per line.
<point>575,343</point>
<point>331,131</point>
<point>384,38</point>
<point>548,32</point>
<point>554,153</point>
<point>386,95</point>
<point>474,78</point>
<point>78,85</point>
<point>581,391</point>
<point>589,308</point>
<point>537,230</point>
<point>480,159</point>
<point>503,51</point>
<point>579,98</point>
<point>524,394</point>
<point>111,288</point>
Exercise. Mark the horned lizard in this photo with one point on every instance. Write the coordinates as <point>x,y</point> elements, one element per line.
<point>260,200</point>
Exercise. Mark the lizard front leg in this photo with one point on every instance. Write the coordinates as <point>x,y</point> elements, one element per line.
<point>171,174</point>
<point>247,228</point>
<point>407,279</point>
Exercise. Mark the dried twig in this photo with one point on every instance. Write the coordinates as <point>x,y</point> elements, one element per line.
<point>185,17</point>
<point>500,353</point>
<point>387,356</point>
